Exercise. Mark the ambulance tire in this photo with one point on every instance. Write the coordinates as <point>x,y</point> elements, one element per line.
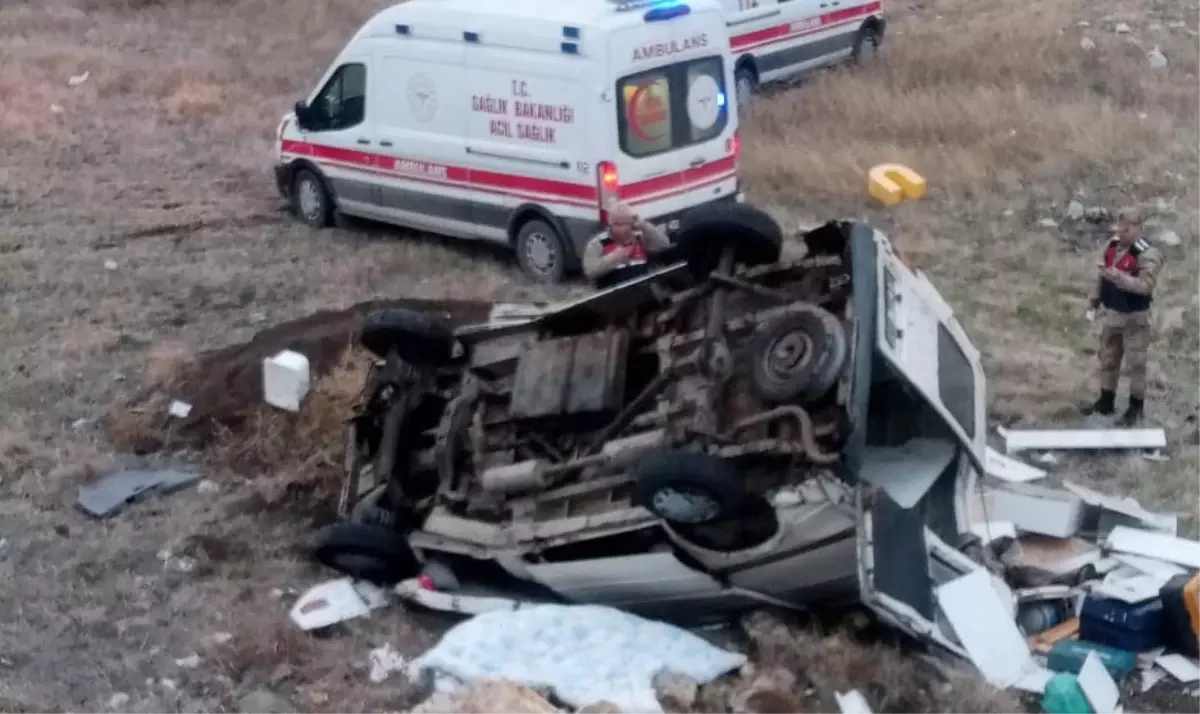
<point>417,338</point>
<point>541,252</point>
<point>311,201</point>
<point>797,357</point>
<point>706,230</point>
<point>866,44</point>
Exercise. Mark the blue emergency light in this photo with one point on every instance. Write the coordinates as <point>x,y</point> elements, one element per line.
<point>666,11</point>
<point>721,99</point>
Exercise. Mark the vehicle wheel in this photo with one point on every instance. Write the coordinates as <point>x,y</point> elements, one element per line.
<point>744,83</point>
<point>310,199</point>
<point>687,487</point>
<point>418,338</point>
<point>797,357</point>
<point>541,252</point>
<point>370,552</point>
<point>866,45</point>
<point>705,231</point>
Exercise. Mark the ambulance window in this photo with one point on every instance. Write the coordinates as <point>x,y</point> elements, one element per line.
<point>342,103</point>
<point>671,107</point>
<point>956,381</point>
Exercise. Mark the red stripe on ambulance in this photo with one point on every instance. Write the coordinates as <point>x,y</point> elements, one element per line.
<point>512,184</point>
<point>791,30</point>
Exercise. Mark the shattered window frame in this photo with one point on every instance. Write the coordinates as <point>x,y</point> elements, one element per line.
<point>956,381</point>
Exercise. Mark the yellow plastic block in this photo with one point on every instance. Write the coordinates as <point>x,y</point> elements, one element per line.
<point>892,183</point>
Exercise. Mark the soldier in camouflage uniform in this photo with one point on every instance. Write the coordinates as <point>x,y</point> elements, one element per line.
<point>1128,272</point>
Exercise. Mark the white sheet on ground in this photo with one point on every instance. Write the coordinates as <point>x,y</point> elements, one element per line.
<point>585,653</point>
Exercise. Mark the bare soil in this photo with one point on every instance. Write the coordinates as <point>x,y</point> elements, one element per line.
<point>141,237</point>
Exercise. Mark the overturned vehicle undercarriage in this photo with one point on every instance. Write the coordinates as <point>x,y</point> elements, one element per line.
<point>727,431</point>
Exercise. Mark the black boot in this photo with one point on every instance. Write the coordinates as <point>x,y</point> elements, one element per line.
<point>1133,414</point>
<point>1105,405</point>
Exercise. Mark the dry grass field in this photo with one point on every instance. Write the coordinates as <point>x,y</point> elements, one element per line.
<point>139,227</point>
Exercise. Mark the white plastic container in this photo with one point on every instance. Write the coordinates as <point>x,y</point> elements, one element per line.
<point>286,380</point>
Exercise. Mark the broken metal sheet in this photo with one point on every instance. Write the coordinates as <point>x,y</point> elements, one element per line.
<point>336,601</point>
<point>1098,685</point>
<point>907,472</point>
<point>108,495</point>
<point>1035,509</point>
<point>1132,590</point>
<point>1159,546</point>
<point>1179,667</point>
<point>1035,681</point>
<point>1009,469</point>
<point>1051,439</point>
<point>1150,566</point>
<point>413,591</point>
<point>1151,677</point>
<point>986,630</point>
<point>1114,511</point>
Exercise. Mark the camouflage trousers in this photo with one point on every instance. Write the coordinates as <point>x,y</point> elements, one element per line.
<point>1125,337</point>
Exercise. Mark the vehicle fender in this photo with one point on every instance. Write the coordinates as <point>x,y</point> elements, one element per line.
<point>303,163</point>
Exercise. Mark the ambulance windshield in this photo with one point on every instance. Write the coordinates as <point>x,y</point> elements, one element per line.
<point>671,107</point>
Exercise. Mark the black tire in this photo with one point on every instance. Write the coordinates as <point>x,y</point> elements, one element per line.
<point>714,485</point>
<point>370,552</point>
<point>797,357</point>
<point>311,201</point>
<point>745,82</point>
<point>866,44</point>
<point>418,338</point>
<point>706,230</point>
<point>542,252</point>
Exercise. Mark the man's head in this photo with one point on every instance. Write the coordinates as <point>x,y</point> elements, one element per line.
<point>621,222</point>
<point>1129,224</point>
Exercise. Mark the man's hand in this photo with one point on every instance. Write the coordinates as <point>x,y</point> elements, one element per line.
<point>620,253</point>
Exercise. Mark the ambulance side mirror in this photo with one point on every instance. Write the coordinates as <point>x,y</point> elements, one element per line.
<point>303,115</point>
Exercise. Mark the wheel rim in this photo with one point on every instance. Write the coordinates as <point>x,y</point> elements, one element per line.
<point>310,199</point>
<point>788,355</point>
<point>541,253</point>
<point>685,505</point>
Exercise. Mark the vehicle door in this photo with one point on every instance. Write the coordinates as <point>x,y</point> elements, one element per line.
<point>677,145</point>
<point>421,135</point>
<point>339,135</point>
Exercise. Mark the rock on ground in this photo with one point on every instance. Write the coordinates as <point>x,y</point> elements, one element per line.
<point>262,701</point>
<point>488,695</point>
<point>675,692</point>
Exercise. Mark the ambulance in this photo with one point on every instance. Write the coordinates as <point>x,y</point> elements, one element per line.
<point>517,122</point>
<point>775,40</point>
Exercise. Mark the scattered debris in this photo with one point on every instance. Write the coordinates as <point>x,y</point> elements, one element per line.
<point>262,701</point>
<point>118,701</point>
<point>1169,238</point>
<point>1048,223</point>
<point>1051,439</point>
<point>1009,469</point>
<point>336,601</point>
<point>110,264</point>
<point>1154,545</point>
<point>1075,210</point>
<point>987,633</point>
<point>191,661</point>
<point>852,702</point>
<point>579,651</point>
<point>1035,509</point>
<point>1098,685</point>
<point>219,638</point>
<point>1122,28</point>
<point>56,109</point>
<point>1156,59</point>
<point>107,496</point>
<point>1102,513</point>
<point>78,79</point>
<point>179,409</point>
<point>208,487</point>
<point>286,380</point>
<point>1087,43</point>
<point>1179,667</point>
<point>384,662</point>
<point>1097,215</point>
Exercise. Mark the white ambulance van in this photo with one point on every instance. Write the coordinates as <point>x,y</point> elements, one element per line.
<point>516,122</point>
<point>778,39</point>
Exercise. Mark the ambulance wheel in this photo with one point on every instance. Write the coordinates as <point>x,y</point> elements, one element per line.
<point>744,83</point>
<point>541,252</point>
<point>798,356</point>
<point>418,338</point>
<point>705,231</point>
<point>310,199</point>
<point>866,45</point>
